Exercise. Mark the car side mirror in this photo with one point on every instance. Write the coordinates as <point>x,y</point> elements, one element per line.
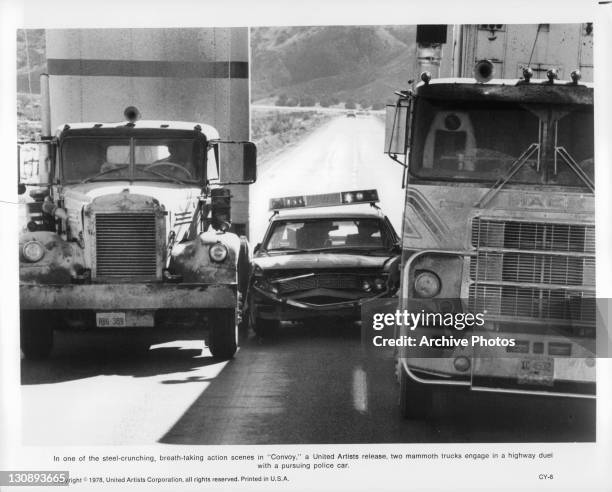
<point>237,162</point>
<point>257,248</point>
<point>21,189</point>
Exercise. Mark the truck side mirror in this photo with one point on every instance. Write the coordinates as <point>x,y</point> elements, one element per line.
<point>397,127</point>
<point>34,158</point>
<point>237,162</point>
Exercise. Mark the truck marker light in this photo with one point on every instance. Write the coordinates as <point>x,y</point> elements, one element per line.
<point>33,251</point>
<point>576,76</point>
<point>427,284</point>
<point>527,74</point>
<point>218,252</point>
<point>426,77</point>
<point>552,74</point>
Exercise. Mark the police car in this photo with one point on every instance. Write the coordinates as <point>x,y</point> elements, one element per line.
<point>322,256</point>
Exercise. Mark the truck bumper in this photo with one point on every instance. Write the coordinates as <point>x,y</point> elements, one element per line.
<point>498,371</point>
<point>112,297</point>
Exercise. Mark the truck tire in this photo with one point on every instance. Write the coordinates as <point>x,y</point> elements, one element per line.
<point>222,341</point>
<point>243,266</point>
<point>266,328</point>
<point>36,335</point>
<point>415,399</point>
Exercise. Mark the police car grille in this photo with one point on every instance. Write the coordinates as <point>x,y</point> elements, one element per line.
<point>320,281</point>
<point>125,245</point>
<point>533,271</point>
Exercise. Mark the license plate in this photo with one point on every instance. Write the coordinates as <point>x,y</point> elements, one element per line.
<point>110,320</point>
<point>539,371</point>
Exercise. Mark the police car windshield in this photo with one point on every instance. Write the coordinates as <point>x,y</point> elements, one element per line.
<point>87,159</point>
<point>322,234</point>
<point>476,141</point>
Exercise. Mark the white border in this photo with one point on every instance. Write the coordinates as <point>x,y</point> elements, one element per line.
<point>156,13</point>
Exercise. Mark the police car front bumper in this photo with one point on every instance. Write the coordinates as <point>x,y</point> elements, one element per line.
<point>267,305</point>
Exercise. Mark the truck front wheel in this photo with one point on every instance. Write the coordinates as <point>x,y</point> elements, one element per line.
<point>36,335</point>
<point>222,341</point>
<point>415,399</point>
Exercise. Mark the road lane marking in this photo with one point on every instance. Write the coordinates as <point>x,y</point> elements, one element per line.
<point>360,390</point>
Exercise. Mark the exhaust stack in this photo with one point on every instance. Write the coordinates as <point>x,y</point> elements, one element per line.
<point>45,107</point>
<point>44,167</point>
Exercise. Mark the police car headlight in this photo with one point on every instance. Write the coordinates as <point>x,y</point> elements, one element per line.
<point>427,284</point>
<point>33,251</point>
<point>366,286</point>
<point>263,284</point>
<point>379,284</point>
<point>218,252</point>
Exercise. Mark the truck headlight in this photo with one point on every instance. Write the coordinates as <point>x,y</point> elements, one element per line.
<point>218,252</point>
<point>33,251</point>
<point>427,284</point>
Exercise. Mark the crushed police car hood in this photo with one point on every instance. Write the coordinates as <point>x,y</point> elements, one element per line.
<point>316,261</point>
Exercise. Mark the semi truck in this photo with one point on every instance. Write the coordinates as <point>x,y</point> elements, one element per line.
<point>499,210</point>
<point>129,226</point>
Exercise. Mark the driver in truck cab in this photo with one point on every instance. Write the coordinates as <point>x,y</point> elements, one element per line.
<point>178,153</point>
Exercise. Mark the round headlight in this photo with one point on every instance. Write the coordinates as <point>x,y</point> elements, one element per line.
<point>379,284</point>
<point>218,252</point>
<point>33,251</point>
<point>427,284</point>
<point>366,285</point>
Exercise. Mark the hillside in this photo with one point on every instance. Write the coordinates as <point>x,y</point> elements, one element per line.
<point>341,62</point>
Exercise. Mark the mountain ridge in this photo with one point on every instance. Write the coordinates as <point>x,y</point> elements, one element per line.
<point>342,62</point>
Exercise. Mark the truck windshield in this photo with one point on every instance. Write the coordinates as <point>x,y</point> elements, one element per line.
<point>475,141</point>
<point>151,159</point>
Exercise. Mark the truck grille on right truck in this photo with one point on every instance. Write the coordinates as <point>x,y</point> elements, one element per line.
<point>533,271</point>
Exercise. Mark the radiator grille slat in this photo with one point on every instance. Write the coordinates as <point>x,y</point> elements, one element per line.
<point>533,270</point>
<point>125,245</point>
<point>321,281</point>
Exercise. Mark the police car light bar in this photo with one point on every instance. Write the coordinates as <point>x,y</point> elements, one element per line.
<point>325,199</point>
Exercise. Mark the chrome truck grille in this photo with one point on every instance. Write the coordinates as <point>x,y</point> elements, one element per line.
<point>533,271</point>
<point>125,246</point>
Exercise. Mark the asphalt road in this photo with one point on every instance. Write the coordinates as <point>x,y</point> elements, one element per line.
<point>303,386</point>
